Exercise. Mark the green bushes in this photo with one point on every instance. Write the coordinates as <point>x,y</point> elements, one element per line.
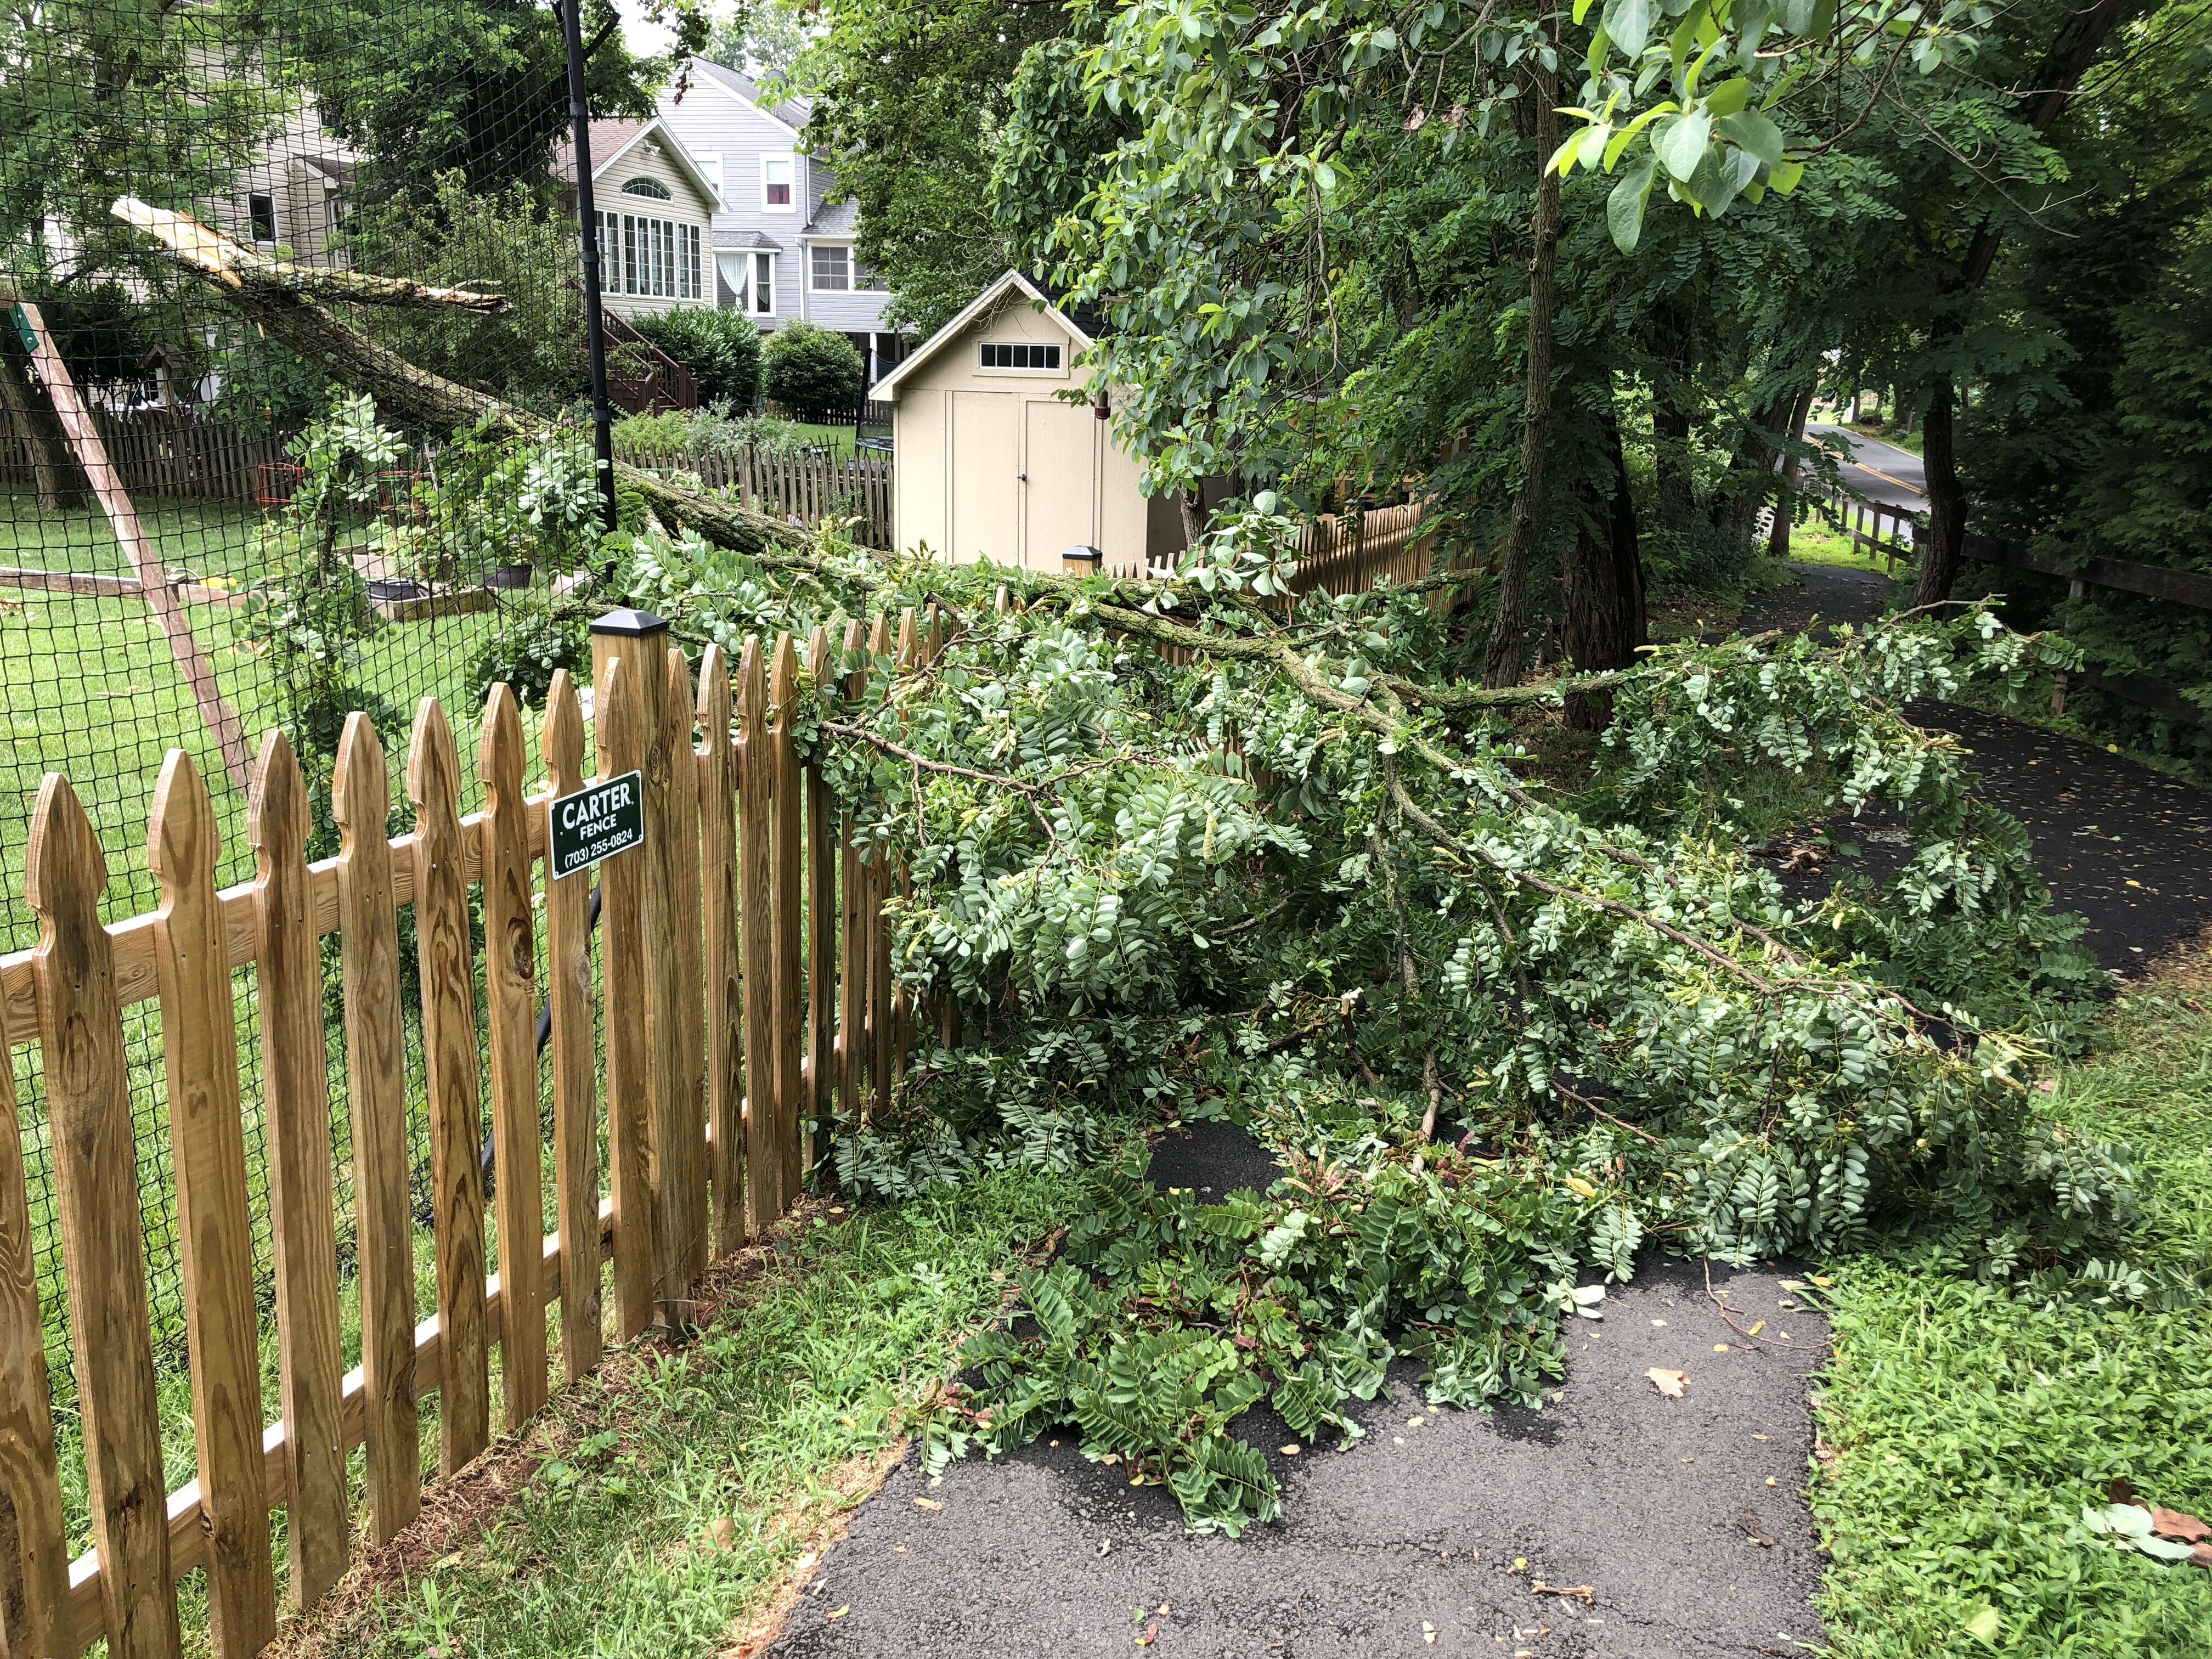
<point>722,349</point>
<point>813,373</point>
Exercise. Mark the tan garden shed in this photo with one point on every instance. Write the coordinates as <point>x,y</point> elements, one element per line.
<point>991,459</point>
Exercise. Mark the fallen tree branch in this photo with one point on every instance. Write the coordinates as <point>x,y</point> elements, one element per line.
<point>232,264</point>
<point>283,301</point>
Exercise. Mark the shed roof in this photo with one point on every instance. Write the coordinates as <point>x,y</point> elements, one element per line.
<point>1012,282</point>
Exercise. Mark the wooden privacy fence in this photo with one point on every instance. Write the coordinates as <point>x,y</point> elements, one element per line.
<point>802,489</point>
<point>745,992</point>
<point>192,459</point>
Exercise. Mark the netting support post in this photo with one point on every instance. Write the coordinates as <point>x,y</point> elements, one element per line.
<point>587,217</point>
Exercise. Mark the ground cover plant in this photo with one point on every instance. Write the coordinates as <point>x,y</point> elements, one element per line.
<point>1967,1428</point>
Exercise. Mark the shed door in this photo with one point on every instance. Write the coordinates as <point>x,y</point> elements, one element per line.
<point>983,481</point>
<point>1060,494</point>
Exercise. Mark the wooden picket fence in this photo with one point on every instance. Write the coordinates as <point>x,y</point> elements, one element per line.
<point>745,987</point>
<point>800,488</point>
<point>187,460</point>
<point>1342,555</point>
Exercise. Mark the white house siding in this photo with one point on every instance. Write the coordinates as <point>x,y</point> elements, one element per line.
<point>640,271</point>
<point>719,119</point>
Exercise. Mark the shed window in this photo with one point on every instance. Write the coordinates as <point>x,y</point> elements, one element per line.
<point>1012,355</point>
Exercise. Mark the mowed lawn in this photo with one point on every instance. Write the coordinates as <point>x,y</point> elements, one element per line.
<point>90,688</point>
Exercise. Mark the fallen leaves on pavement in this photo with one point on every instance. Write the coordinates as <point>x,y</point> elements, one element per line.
<point>1670,1383</point>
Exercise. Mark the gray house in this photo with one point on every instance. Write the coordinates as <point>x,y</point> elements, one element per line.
<point>779,252</point>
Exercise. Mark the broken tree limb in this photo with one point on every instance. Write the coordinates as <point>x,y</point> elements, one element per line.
<point>284,301</point>
<point>232,264</point>
<point>222,721</point>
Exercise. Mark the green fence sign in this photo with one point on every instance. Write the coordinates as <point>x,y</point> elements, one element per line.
<point>594,824</point>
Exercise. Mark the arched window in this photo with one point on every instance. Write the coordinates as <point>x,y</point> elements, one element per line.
<point>651,187</point>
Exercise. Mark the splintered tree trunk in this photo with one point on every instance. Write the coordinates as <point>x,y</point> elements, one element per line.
<point>1604,593</point>
<point>1502,661</point>
<point>1946,501</point>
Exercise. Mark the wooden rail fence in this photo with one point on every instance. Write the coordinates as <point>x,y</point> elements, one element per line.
<point>802,489</point>
<point>747,996</point>
<point>1893,534</point>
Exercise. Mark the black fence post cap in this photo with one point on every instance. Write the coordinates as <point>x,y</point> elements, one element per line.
<point>1081,554</point>
<point>630,624</point>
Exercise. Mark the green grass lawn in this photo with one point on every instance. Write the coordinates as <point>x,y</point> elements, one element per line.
<point>208,539</point>
<point>675,1492</point>
<point>1817,542</point>
<point>1969,1428</point>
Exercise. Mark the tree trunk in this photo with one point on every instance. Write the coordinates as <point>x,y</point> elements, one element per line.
<point>1671,416</point>
<point>1603,582</point>
<point>1191,504</point>
<point>52,474</point>
<point>1946,501</point>
<point>1502,662</point>
<point>1778,540</point>
<point>2069,59</point>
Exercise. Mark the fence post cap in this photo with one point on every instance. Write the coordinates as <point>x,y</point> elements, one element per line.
<point>1082,554</point>
<point>633,624</point>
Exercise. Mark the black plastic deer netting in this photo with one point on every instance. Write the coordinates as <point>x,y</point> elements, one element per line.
<point>202,538</point>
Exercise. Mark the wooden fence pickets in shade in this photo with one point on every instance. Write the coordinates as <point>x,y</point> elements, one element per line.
<point>760,925</point>
<point>376,1072</point>
<point>575,1061</point>
<point>511,988</point>
<point>806,489</point>
<point>449,1065</point>
<point>96,1173</point>
<point>34,1546</point>
<point>296,1079</point>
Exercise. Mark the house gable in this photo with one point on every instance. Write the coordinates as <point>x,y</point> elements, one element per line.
<point>1012,311</point>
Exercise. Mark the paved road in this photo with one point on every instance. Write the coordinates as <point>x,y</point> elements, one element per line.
<point>1413,1534</point>
<point>1876,470</point>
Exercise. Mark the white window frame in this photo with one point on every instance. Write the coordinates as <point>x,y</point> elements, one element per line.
<point>646,257</point>
<point>743,287</point>
<point>711,166</point>
<point>814,286</point>
<point>763,285</point>
<point>253,229</point>
<point>791,163</point>
<point>985,347</point>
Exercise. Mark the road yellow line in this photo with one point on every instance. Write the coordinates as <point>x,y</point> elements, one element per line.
<point>1877,472</point>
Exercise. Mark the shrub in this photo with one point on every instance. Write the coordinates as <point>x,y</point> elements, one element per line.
<point>722,349</point>
<point>524,650</point>
<point>813,373</point>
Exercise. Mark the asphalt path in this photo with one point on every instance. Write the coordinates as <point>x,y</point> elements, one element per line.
<point>2123,845</point>
<point>1448,1533</point>
<point>1876,471</point>
<point>1676,1523</point>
